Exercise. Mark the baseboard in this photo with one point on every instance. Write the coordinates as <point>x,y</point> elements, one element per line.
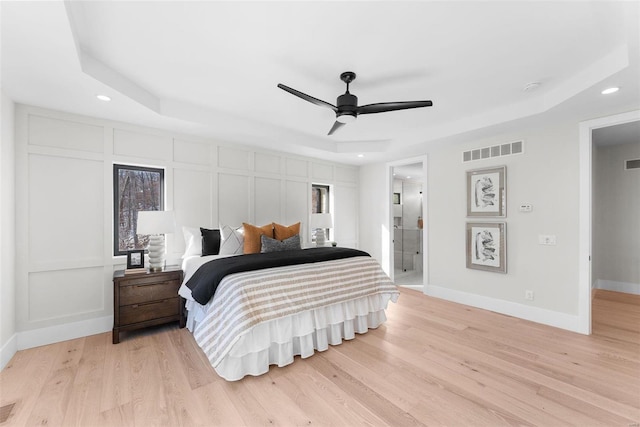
<point>612,285</point>
<point>8,350</point>
<point>521,311</point>
<point>64,332</point>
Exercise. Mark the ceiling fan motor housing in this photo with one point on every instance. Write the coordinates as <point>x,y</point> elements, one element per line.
<point>347,108</point>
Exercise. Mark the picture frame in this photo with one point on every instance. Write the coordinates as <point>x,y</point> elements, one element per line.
<point>487,192</point>
<point>486,247</point>
<point>396,198</point>
<point>135,259</point>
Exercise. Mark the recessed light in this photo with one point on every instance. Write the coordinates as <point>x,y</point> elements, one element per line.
<point>610,90</point>
<point>103,98</point>
<point>360,155</point>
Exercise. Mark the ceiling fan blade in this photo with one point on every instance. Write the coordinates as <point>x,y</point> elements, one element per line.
<point>309,98</point>
<point>337,125</point>
<point>392,106</point>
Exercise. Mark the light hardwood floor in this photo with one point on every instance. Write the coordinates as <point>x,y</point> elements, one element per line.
<point>432,363</point>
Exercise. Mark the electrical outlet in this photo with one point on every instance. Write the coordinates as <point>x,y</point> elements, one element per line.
<point>528,295</point>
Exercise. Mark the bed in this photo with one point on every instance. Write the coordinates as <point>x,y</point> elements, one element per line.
<point>284,304</point>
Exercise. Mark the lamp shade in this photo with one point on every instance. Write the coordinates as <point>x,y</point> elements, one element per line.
<point>321,220</point>
<point>156,222</point>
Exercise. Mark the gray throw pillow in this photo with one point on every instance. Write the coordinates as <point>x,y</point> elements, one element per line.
<point>272,245</point>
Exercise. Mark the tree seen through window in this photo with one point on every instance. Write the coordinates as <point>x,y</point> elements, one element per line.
<point>135,189</point>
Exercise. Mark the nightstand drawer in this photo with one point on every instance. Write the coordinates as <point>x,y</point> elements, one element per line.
<point>151,310</point>
<point>140,293</point>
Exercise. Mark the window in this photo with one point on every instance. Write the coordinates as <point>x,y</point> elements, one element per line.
<point>319,204</point>
<point>319,198</point>
<point>135,188</point>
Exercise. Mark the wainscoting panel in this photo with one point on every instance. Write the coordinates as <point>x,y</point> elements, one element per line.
<point>65,293</point>
<point>267,200</point>
<point>297,204</point>
<point>345,224</point>
<point>142,145</point>
<point>233,199</point>
<point>232,158</point>
<point>66,200</point>
<point>297,167</point>
<point>51,132</point>
<point>322,173</point>
<point>193,189</point>
<point>197,153</point>
<point>267,163</point>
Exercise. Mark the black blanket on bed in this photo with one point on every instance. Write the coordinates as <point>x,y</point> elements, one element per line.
<point>205,280</point>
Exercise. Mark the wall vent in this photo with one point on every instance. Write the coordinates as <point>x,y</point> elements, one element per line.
<point>632,164</point>
<point>508,149</point>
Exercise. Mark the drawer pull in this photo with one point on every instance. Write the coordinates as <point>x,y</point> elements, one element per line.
<point>144,285</point>
<point>141,304</point>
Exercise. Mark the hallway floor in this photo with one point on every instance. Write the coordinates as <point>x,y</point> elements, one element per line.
<point>410,278</point>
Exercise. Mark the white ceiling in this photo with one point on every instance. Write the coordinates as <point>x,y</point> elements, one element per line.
<point>210,68</point>
<point>412,172</point>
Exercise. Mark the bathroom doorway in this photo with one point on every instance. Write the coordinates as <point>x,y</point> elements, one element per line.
<point>408,224</point>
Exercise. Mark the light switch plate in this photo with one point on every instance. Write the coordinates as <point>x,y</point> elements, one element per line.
<point>547,239</point>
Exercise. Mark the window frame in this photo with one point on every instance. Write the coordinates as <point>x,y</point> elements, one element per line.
<point>322,209</point>
<point>117,167</point>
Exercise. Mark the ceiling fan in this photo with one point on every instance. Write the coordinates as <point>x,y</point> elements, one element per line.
<point>347,109</point>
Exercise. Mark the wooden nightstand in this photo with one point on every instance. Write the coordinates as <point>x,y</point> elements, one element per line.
<point>145,299</point>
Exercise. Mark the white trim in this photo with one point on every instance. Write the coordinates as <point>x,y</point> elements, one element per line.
<point>584,214</point>
<point>520,311</point>
<point>612,285</point>
<point>8,350</point>
<point>64,332</point>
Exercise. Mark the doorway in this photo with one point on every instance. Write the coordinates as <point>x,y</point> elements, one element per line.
<point>586,212</point>
<point>407,223</point>
<point>616,208</point>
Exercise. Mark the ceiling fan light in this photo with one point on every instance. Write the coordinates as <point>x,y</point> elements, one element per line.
<point>346,118</point>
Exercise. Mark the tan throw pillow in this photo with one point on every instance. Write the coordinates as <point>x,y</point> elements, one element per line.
<point>281,232</point>
<point>252,237</point>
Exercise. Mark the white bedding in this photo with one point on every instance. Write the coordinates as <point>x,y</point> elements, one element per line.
<point>285,311</point>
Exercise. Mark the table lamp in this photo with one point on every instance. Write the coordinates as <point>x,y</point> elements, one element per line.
<point>156,224</point>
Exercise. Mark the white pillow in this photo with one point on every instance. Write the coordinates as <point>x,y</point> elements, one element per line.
<point>193,241</point>
<point>232,240</point>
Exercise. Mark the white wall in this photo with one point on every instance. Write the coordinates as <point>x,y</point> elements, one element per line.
<point>616,218</point>
<point>546,176</point>
<point>8,344</point>
<point>64,194</point>
<point>375,235</point>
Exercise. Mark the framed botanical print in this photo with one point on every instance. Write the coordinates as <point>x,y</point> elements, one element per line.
<point>487,192</point>
<point>487,246</point>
